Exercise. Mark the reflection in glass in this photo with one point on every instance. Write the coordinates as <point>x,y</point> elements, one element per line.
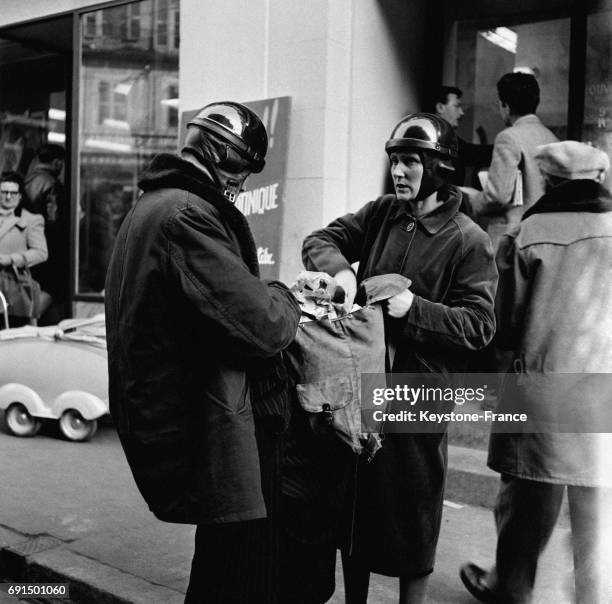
<point>483,55</point>
<point>32,104</point>
<point>597,126</point>
<point>128,113</point>
<point>34,71</point>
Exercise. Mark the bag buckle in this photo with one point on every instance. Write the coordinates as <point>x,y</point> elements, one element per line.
<point>328,413</point>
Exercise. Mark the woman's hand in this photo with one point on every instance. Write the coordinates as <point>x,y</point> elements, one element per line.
<point>347,280</point>
<point>399,305</point>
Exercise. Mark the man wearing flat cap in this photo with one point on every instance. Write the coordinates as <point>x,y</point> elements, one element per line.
<point>554,313</point>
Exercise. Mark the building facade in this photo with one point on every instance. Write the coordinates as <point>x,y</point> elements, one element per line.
<point>113,82</point>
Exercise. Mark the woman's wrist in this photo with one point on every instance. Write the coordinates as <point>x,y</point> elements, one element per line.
<point>18,260</point>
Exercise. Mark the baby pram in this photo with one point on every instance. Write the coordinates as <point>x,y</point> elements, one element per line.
<point>54,373</point>
<point>4,306</point>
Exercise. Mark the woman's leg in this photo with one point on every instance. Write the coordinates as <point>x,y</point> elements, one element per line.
<point>413,591</point>
<point>356,580</point>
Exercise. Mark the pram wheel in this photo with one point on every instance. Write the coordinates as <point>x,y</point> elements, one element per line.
<point>75,427</point>
<point>19,421</point>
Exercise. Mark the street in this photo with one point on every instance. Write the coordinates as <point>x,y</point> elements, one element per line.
<point>81,502</point>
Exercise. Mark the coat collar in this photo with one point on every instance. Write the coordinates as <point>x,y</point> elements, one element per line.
<point>6,224</point>
<point>528,118</point>
<point>170,171</point>
<point>436,219</point>
<point>573,196</point>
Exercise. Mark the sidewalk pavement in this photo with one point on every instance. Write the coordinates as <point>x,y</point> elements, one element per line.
<point>65,518</point>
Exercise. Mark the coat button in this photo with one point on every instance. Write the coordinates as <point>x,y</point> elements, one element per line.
<point>409,226</point>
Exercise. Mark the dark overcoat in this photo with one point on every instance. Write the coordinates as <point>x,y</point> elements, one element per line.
<point>189,326</point>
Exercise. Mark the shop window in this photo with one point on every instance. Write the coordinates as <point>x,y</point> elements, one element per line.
<point>481,55</point>
<point>33,114</point>
<point>597,125</point>
<point>32,104</point>
<point>128,112</point>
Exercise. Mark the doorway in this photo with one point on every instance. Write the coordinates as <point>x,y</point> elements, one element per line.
<point>482,54</point>
<point>35,93</point>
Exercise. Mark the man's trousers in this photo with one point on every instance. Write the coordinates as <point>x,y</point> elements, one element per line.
<point>526,512</point>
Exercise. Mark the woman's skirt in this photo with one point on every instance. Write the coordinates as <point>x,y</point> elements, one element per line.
<point>398,509</point>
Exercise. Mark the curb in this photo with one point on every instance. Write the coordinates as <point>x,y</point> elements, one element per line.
<point>45,559</point>
<point>469,480</point>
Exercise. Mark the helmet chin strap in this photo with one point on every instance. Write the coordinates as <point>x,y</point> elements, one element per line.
<point>231,189</point>
<point>431,180</point>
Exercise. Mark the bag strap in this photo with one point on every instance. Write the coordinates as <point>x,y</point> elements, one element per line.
<point>22,271</point>
<point>15,271</point>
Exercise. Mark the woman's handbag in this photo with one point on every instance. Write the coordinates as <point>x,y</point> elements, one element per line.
<point>21,291</point>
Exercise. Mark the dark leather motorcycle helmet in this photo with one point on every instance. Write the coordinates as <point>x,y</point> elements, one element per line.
<point>434,139</point>
<point>229,135</point>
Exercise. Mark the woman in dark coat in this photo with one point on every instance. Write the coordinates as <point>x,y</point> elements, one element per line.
<point>421,233</point>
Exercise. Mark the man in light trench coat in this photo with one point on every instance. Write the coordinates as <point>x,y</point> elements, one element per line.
<point>554,312</point>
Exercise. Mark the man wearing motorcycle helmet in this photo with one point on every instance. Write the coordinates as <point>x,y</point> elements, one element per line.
<point>433,326</point>
<point>229,142</point>
<point>196,386</point>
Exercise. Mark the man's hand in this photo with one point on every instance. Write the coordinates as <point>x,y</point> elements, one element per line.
<point>399,305</point>
<point>347,280</point>
<point>5,260</point>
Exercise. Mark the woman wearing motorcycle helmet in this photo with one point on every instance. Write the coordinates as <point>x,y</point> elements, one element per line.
<point>446,313</point>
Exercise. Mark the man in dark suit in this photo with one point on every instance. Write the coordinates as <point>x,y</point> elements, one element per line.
<point>448,106</point>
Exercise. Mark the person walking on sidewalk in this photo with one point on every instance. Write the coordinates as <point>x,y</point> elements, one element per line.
<point>497,207</point>
<point>196,387</point>
<point>418,232</point>
<point>554,313</point>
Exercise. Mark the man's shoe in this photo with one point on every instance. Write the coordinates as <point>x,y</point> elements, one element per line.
<point>474,579</point>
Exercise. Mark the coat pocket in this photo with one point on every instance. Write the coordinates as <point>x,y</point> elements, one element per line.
<point>333,405</point>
